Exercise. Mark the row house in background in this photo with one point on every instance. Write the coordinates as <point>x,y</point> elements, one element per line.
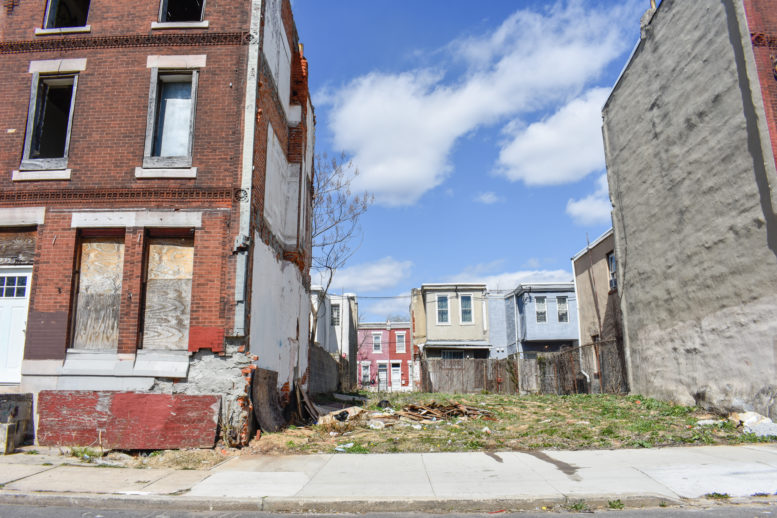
<point>596,288</point>
<point>336,320</point>
<point>450,321</point>
<point>540,318</point>
<point>155,190</point>
<point>385,356</point>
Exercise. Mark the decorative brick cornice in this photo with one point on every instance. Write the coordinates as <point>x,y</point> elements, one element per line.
<point>115,195</point>
<point>139,40</point>
<point>760,39</point>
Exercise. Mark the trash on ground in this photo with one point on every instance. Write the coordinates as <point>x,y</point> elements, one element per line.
<point>343,420</point>
<point>755,423</point>
<point>434,411</point>
<point>376,425</point>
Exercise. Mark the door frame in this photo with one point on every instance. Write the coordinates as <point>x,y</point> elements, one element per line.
<point>26,268</point>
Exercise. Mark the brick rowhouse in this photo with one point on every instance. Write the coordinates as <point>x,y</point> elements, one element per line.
<point>155,189</point>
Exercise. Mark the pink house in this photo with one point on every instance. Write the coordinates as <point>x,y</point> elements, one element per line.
<point>384,356</point>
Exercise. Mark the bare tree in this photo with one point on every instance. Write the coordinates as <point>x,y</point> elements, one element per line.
<point>336,229</point>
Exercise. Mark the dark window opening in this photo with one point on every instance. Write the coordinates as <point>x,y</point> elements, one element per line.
<point>52,118</point>
<point>67,13</point>
<point>182,10</point>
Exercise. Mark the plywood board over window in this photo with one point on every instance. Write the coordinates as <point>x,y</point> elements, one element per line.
<point>99,294</point>
<point>17,246</point>
<point>168,294</point>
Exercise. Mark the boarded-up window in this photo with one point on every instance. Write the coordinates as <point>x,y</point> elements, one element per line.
<point>99,294</point>
<point>168,293</point>
<point>17,246</point>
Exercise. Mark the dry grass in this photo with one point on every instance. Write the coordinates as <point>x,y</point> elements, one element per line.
<point>519,423</point>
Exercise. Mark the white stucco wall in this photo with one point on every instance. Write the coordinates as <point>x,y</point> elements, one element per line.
<point>280,308</point>
<point>281,191</point>
<point>277,51</point>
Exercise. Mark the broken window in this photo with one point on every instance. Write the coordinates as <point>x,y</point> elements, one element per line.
<point>168,293</point>
<point>98,300</point>
<point>170,119</point>
<point>66,13</point>
<point>49,121</point>
<point>542,312</point>
<point>181,10</point>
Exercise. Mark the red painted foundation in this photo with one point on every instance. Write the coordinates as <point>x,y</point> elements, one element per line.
<point>127,420</point>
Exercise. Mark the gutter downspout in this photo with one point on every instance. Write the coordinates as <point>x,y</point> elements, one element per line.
<point>243,239</point>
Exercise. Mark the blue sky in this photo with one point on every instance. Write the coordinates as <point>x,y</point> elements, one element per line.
<point>476,125</point>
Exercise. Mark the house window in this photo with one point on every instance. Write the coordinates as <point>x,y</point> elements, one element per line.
<point>563,309</point>
<point>66,13</point>
<point>466,309</point>
<point>453,355</point>
<point>50,118</point>
<point>442,309</point>
<point>13,287</point>
<point>400,342</point>
<point>335,320</point>
<point>170,124</point>
<point>181,10</point>
<point>376,342</point>
<point>365,375</point>
<point>611,266</point>
<point>542,311</point>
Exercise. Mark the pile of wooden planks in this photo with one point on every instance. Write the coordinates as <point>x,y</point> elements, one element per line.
<point>437,411</point>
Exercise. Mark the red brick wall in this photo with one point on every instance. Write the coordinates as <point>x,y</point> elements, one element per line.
<point>108,17</point>
<point>762,20</point>
<point>127,420</point>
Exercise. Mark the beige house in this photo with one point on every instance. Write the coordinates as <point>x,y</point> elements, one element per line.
<point>598,305</point>
<point>450,321</point>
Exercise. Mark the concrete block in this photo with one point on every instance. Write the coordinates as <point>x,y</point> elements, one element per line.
<point>7,438</point>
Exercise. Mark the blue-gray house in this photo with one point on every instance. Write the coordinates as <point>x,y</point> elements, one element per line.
<point>540,317</point>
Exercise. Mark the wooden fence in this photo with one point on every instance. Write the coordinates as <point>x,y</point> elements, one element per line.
<point>590,368</point>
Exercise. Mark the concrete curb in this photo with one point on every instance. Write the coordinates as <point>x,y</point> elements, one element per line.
<point>317,505</point>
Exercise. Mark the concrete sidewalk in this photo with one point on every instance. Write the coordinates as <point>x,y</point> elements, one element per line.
<point>410,482</point>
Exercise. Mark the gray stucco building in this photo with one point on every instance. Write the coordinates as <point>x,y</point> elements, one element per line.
<point>692,178</point>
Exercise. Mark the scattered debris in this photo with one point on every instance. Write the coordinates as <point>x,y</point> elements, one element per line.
<point>343,420</point>
<point>709,422</point>
<point>344,447</point>
<point>376,425</point>
<point>755,423</point>
<point>383,403</point>
<point>434,411</point>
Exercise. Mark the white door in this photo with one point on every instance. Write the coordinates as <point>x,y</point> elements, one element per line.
<point>382,377</point>
<point>14,299</point>
<point>396,376</point>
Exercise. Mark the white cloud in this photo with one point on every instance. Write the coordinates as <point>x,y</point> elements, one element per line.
<point>508,280</point>
<point>488,198</point>
<point>594,209</point>
<point>366,277</point>
<point>381,309</point>
<point>564,148</point>
<point>400,128</point>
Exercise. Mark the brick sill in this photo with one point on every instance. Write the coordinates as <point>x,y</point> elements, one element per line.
<point>179,25</point>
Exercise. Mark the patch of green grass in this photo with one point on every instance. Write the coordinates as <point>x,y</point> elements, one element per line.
<point>761,495</point>
<point>31,452</point>
<point>717,496</point>
<point>615,504</point>
<point>47,464</point>
<point>662,503</point>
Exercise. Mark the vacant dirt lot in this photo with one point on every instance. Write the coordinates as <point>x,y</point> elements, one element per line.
<point>512,423</point>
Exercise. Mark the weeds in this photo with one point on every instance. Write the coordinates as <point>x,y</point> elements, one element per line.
<point>85,453</point>
<point>717,496</point>
<point>31,452</point>
<point>615,504</point>
<point>578,506</point>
